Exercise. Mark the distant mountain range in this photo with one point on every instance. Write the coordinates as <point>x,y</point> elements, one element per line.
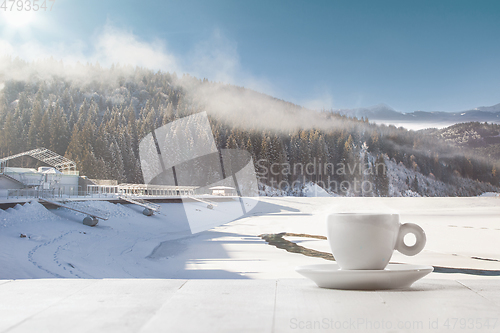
<point>383,113</point>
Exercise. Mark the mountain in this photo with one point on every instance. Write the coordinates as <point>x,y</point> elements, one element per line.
<point>97,117</point>
<point>494,108</point>
<point>383,113</point>
<point>377,112</point>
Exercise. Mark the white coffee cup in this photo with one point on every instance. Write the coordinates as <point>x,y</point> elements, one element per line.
<point>367,240</point>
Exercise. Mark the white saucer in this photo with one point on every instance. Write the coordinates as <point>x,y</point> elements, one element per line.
<point>394,276</point>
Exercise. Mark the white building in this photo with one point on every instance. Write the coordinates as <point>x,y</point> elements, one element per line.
<point>223,191</point>
<point>23,181</point>
<point>58,179</point>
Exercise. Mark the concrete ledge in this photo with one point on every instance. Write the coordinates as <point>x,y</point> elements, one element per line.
<point>284,305</point>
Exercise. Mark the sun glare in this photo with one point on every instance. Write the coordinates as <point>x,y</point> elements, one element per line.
<point>17,19</point>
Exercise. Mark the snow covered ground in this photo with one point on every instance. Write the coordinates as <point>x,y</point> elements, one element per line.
<point>463,233</point>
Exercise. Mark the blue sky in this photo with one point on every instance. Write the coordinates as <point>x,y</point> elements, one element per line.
<point>412,55</point>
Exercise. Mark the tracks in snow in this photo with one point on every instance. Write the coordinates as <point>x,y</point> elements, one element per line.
<point>49,268</point>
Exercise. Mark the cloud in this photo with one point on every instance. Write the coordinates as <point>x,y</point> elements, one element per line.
<point>112,45</point>
<point>119,46</point>
<point>245,108</point>
<point>218,60</point>
<point>6,47</point>
<point>322,101</point>
<point>215,58</point>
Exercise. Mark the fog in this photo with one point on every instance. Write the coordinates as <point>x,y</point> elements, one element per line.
<point>115,53</point>
<point>121,51</point>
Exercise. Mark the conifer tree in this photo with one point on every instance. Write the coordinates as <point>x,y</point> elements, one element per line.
<point>118,171</point>
<point>34,129</point>
<point>44,130</point>
<point>382,180</point>
<point>59,131</point>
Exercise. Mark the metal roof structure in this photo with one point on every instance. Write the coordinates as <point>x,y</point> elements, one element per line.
<point>47,156</point>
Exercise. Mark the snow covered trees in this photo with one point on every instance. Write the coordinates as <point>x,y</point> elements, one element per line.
<point>99,123</point>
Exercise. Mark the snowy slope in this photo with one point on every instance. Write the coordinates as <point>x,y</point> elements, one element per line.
<point>461,233</point>
<point>59,245</point>
<point>430,186</point>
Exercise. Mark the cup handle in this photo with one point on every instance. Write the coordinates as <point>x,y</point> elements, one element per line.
<point>410,228</point>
